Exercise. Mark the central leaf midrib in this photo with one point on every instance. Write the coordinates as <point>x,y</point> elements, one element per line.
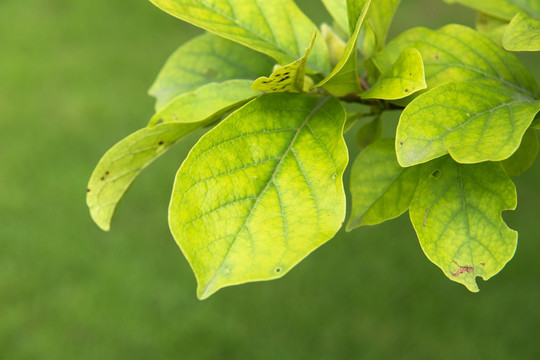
<point>263,191</point>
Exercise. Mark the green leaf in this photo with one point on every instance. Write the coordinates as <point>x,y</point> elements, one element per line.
<point>369,132</point>
<point>279,30</point>
<point>525,155</point>
<point>473,121</point>
<point>119,167</point>
<point>338,11</point>
<point>343,79</point>
<point>523,34</point>
<point>210,101</point>
<point>456,213</point>
<point>354,12</point>
<point>203,60</point>
<point>404,78</point>
<point>378,22</point>
<point>503,9</point>
<point>491,26</point>
<point>380,188</point>
<point>286,78</point>
<point>536,122</point>
<point>336,46</point>
<point>458,53</point>
<point>261,191</point>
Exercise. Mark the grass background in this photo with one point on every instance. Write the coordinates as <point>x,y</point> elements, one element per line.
<point>73,81</point>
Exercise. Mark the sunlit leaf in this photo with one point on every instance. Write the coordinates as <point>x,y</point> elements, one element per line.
<point>286,78</point>
<point>404,78</point>
<point>343,79</point>
<point>456,213</point>
<point>473,121</point>
<point>203,60</point>
<point>261,190</point>
<point>119,167</point>
<point>338,11</point>
<point>523,34</point>
<point>380,188</point>
<point>209,101</point>
<point>278,29</point>
<point>458,53</point>
<point>525,155</point>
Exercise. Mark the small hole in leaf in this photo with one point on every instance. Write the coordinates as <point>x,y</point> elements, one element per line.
<point>401,143</point>
<point>278,270</point>
<point>159,121</point>
<point>334,176</point>
<point>406,90</point>
<point>436,174</point>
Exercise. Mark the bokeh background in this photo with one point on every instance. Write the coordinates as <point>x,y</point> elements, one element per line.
<point>73,81</point>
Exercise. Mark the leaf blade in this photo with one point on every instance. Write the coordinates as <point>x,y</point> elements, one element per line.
<point>258,230</point>
<point>522,34</point>
<point>261,25</point>
<point>456,213</point>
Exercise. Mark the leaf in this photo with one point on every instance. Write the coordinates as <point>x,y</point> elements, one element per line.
<point>456,213</point>
<point>338,11</point>
<point>458,53</point>
<point>491,26</point>
<point>278,29</point>
<point>343,79</point>
<point>203,60</point>
<point>525,155</point>
<point>261,190</point>
<point>523,34</point>
<point>119,167</point>
<point>536,122</point>
<point>503,9</point>
<point>378,22</point>
<point>336,46</point>
<point>369,133</point>
<point>210,101</point>
<point>473,121</point>
<point>380,188</point>
<point>286,78</point>
<point>404,78</point>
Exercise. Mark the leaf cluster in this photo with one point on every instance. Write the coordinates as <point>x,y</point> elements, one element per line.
<point>263,187</point>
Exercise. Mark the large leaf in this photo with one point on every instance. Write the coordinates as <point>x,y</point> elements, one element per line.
<point>261,190</point>
<point>473,121</point>
<point>276,28</point>
<point>203,60</point>
<point>404,78</point>
<point>456,213</point>
<point>286,78</point>
<point>491,26</point>
<point>119,167</point>
<point>523,33</point>
<point>458,53</point>
<point>380,188</point>
<point>343,79</point>
<point>525,155</point>
<point>209,101</point>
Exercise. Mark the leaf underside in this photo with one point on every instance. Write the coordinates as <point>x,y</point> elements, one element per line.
<point>261,190</point>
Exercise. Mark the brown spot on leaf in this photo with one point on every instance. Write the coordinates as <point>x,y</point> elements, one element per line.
<point>160,143</point>
<point>462,269</point>
<point>87,190</point>
<point>436,57</point>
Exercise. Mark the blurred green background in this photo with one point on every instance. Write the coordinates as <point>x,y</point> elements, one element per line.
<point>73,81</point>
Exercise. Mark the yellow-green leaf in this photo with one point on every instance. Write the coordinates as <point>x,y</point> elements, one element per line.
<point>523,34</point>
<point>276,28</point>
<point>369,133</point>
<point>503,9</point>
<point>203,60</point>
<point>343,79</point>
<point>456,213</point>
<point>491,26</point>
<point>458,53</point>
<point>261,190</point>
<point>473,121</point>
<point>286,78</point>
<point>525,155</point>
<point>338,11</point>
<point>209,101</point>
<point>119,167</point>
<point>404,78</point>
<point>380,188</point>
